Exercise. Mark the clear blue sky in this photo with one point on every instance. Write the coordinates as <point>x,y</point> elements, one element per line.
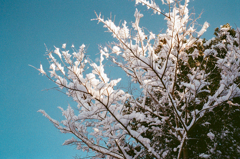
<point>25,25</point>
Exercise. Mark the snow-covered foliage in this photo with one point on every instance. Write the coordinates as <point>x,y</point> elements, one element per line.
<point>174,74</point>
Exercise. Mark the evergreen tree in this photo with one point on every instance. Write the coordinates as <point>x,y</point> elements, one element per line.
<point>217,134</point>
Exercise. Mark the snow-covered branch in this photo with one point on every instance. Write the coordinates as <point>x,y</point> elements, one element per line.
<point>182,79</point>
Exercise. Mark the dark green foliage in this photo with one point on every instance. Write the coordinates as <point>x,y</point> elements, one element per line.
<point>222,121</point>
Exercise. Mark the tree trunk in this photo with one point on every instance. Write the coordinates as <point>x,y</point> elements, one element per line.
<point>185,151</point>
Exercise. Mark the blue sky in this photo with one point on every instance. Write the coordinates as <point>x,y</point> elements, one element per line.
<point>25,25</point>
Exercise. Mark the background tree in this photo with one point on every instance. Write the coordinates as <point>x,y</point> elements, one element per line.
<point>218,132</point>
<point>183,81</point>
